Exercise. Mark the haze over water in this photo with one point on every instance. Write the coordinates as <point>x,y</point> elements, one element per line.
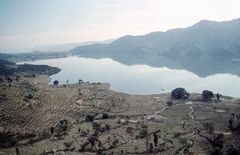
<point>139,79</point>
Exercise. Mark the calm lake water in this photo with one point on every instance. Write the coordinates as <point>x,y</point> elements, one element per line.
<point>139,79</point>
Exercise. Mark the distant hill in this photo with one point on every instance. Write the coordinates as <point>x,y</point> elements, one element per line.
<point>69,46</point>
<point>206,48</point>
<point>5,56</point>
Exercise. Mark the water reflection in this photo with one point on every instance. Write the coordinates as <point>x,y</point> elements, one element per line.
<point>139,79</point>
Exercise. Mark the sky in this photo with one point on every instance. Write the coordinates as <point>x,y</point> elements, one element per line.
<point>27,24</point>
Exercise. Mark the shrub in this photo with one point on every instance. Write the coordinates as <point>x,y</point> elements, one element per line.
<point>143,132</point>
<point>67,144</point>
<point>129,130</point>
<point>105,116</point>
<point>107,126</point>
<point>170,103</point>
<point>44,134</point>
<point>29,96</point>
<point>96,126</point>
<point>89,118</point>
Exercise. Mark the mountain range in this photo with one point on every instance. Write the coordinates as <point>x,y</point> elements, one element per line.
<point>69,46</point>
<point>206,48</point>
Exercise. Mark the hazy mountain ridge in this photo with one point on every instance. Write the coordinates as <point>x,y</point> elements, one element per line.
<point>68,46</point>
<point>196,48</point>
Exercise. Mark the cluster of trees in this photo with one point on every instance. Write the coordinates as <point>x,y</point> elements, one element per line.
<point>181,93</point>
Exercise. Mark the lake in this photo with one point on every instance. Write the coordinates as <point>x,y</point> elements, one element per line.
<point>139,79</point>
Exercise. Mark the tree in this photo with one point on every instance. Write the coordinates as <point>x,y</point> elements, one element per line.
<point>218,96</point>
<point>80,81</point>
<point>207,95</point>
<point>155,139</point>
<point>56,82</point>
<point>17,78</point>
<point>151,148</point>
<point>180,93</point>
<point>9,80</point>
<point>143,132</point>
<point>107,126</point>
<point>129,130</point>
<point>96,126</point>
<point>234,124</point>
<point>170,103</point>
<point>17,151</point>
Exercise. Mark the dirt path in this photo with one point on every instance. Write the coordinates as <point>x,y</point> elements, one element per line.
<point>159,111</point>
<point>191,113</point>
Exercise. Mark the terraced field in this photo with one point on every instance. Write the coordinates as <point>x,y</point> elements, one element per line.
<point>37,118</point>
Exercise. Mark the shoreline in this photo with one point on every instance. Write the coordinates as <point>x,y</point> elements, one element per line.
<point>149,87</point>
<point>150,94</point>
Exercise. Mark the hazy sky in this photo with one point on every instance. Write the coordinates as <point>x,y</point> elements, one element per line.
<point>25,24</point>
